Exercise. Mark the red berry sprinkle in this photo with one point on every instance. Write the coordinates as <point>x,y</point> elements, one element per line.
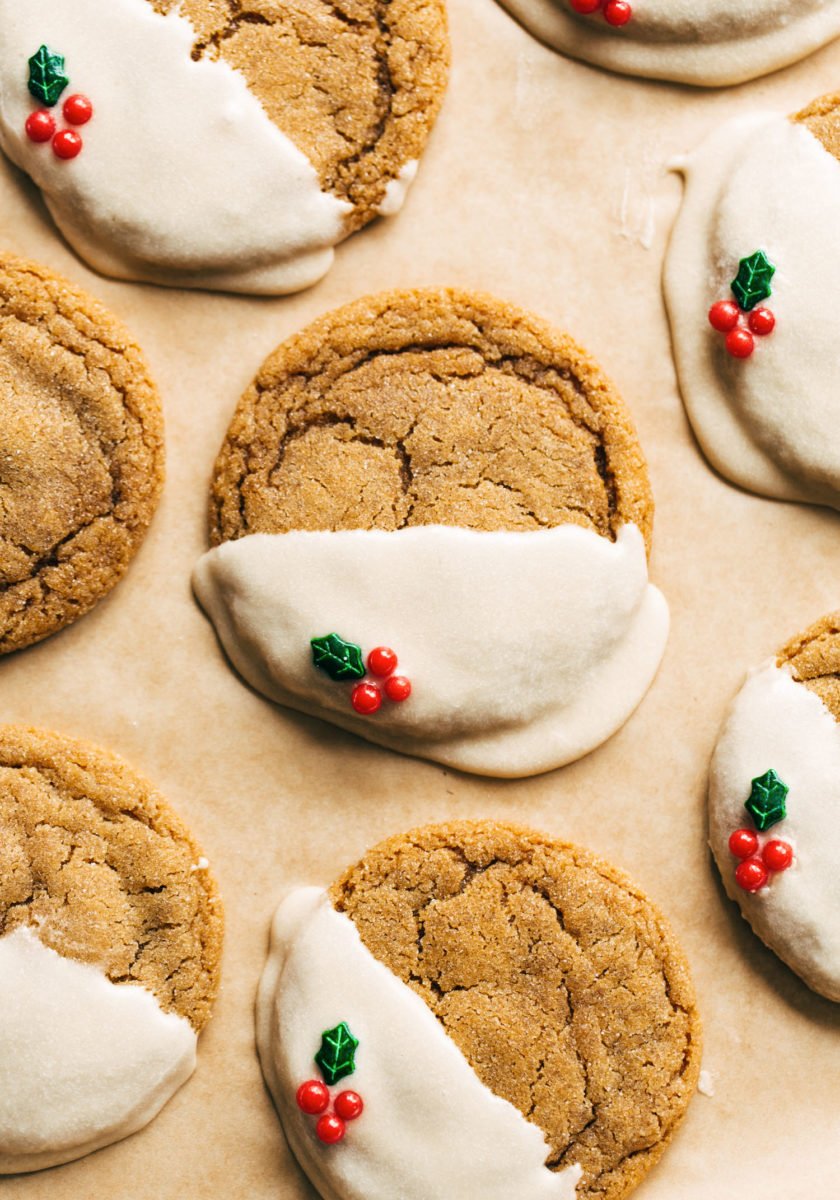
<point>740,343</point>
<point>762,321</point>
<point>751,875</point>
<point>617,12</point>
<point>743,843</point>
<point>366,698</point>
<point>586,6</point>
<point>40,125</point>
<point>777,855</point>
<point>330,1129</point>
<point>382,661</point>
<point>398,688</point>
<point>724,315</point>
<point>67,144</point>
<point>313,1097</point>
<point>349,1105</point>
<point>77,110</point>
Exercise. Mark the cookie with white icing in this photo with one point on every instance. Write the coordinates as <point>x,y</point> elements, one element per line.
<point>81,452</point>
<point>774,791</point>
<point>110,944</point>
<point>709,43</point>
<point>199,144</point>
<point>749,279</point>
<point>430,519</point>
<point>476,1009</point>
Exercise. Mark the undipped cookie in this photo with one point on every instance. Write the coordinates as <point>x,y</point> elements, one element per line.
<point>750,280</point>
<point>203,143</point>
<point>430,518</point>
<point>774,800</point>
<point>705,42</point>
<point>81,452</point>
<point>110,944</point>
<point>476,1009</point>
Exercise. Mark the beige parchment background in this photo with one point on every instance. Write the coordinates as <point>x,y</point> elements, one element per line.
<point>545,182</point>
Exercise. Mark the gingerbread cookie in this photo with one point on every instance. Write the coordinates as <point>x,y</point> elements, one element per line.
<point>203,144</point>
<point>749,277</point>
<point>476,1009</point>
<point>773,798</point>
<point>110,943</point>
<point>81,452</point>
<point>430,518</point>
<point>705,42</point>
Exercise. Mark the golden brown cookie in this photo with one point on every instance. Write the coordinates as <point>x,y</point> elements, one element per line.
<point>356,85</point>
<point>94,860</point>
<point>560,984</point>
<point>814,660</point>
<point>81,452</point>
<point>429,407</point>
<point>822,118</point>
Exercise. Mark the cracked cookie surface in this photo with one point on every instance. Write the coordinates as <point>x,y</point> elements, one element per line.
<point>814,657</point>
<point>355,84</point>
<point>93,858</point>
<point>81,452</point>
<point>559,981</point>
<point>429,407</point>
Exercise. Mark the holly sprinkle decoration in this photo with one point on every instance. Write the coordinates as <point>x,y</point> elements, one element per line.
<point>766,805</point>
<point>616,12</point>
<point>339,659</point>
<point>343,660</point>
<point>47,79</point>
<point>749,287</point>
<point>336,1059</point>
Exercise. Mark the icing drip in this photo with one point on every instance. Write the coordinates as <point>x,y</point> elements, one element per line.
<point>777,723</point>
<point>706,42</point>
<point>768,424</point>
<point>416,1084</point>
<point>83,1061</point>
<point>184,179</point>
<point>524,650</point>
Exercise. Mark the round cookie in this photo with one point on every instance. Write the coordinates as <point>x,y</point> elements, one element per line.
<point>238,147</point>
<point>774,797</point>
<point>514,1015</point>
<point>81,452</point>
<point>749,278</point>
<point>110,946</point>
<point>438,474</point>
<point>709,43</point>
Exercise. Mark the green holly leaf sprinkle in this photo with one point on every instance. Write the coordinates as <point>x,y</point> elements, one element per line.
<point>752,283</point>
<point>766,804</point>
<point>339,659</point>
<point>336,1058</point>
<point>47,79</point>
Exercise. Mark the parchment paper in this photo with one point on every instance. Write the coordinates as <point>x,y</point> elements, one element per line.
<point>545,183</point>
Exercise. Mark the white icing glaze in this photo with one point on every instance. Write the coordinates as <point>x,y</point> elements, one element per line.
<point>417,1087</point>
<point>705,42</point>
<point>183,178</point>
<point>776,722</point>
<point>767,422</point>
<point>83,1061</point>
<point>397,189</point>
<point>524,650</point>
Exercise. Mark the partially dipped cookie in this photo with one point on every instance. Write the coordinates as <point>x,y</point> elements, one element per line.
<point>431,518</point>
<point>476,1009</point>
<point>774,795</point>
<point>199,144</point>
<point>81,452</point>
<point>110,944</point>
<point>750,283</point>
<point>705,42</point>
